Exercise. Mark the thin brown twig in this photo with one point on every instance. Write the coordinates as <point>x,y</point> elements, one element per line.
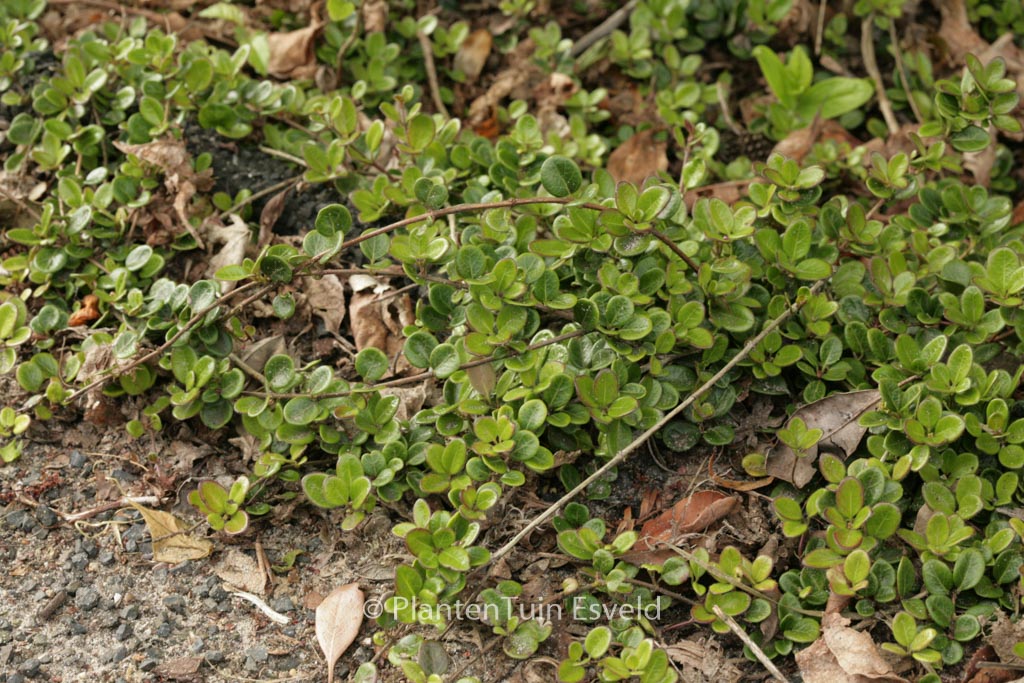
<point>287,182</point>
<point>638,441</point>
<point>742,635</point>
<point>614,20</point>
<point>676,249</point>
<point>428,63</point>
<point>898,53</point>
<point>192,322</point>
<point>867,50</point>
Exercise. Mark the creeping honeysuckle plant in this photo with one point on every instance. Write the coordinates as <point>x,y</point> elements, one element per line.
<point>564,318</point>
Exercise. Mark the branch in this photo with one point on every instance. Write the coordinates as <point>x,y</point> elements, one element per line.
<point>640,440</point>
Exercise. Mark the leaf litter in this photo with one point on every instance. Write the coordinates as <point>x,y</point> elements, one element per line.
<point>338,618</point>
<point>837,416</point>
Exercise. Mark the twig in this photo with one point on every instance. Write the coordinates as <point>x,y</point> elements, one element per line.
<point>676,249</point>
<point>276,617</point>
<point>867,51</point>
<point>298,161</point>
<point>428,63</point>
<point>413,379</point>
<point>192,322</point>
<point>638,441</point>
<point>111,505</point>
<point>742,635</point>
<point>288,182</point>
<point>898,53</point>
<point>820,29</point>
<point>603,29</point>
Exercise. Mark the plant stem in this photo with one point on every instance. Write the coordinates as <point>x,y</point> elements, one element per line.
<point>640,440</point>
<point>758,652</point>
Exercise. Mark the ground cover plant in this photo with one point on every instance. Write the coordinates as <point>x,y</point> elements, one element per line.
<point>538,247</point>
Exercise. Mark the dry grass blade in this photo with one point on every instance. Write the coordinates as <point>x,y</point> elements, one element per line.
<point>338,619</point>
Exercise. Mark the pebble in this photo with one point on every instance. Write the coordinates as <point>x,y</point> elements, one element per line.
<point>77,459</point>
<point>197,646</point>
<point>175,603</point>
<point>87,598</point>
<point>147,664</point>
<point>123,632</point>
<point>130,612</point>
<point>164,629</point>
<point>284,604</point>
<point>116,655</point>
<point>30,667</point>
<point>15,678</point>
<point>106,558</point>
<point>46,516</point>
<point>215,657</point>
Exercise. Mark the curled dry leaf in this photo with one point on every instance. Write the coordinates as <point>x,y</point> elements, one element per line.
<point>291,53</point>
<point>838,417</point>
<point>473,54</point>
<point>87,313</point>
<point>338,618</point>
<point>689,515</point>
<point>270,214</point>
<point>638,158</point>
<point>844,655</point>
<point>171,540</point>
<point>375,16</point>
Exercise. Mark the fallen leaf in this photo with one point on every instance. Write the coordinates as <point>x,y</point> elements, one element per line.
<point>180,668</point>
<point>638,158</point>
<point>689,515</point>
<point>326,296</point>
<point>241,572</point>
<point>378,319</point>
<point>271,212</point>
<point>975,673</point>
<point>520,74</point>
<point>473,54</point>
<point>171,541</point>
<point>730,192</point>
<point>338,619</point>
<point>375,16</point>
<point>1004,637</point>
<point>703,660</point>
<point>843,655</point>
<point>291,53</point>
<point>233,238</point>
<point>838,417</point>
<point>87,313</point>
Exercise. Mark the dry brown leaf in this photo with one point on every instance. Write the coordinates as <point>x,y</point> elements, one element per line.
<point>233,238</point>
<point>170,156</point>
<point>960,38</point>
<point>171,541</point>
<point>730,192</point>
<point>87,313</point>
<point>291,53</point>
<point>1005,635</point>
<point>838,417</point>
<point>375,16</point>
<point>326,296</point>
<point>270,214</point>
<point>182,668</point>
<point>338,619</point>
<point>844,655</point>
<point>241,572</point>
<point>638,158</point>
<point>689,515</point>
<point>521,74</point>
<point>473,54</point>
<point>703,660</point>
<point>378,318</point>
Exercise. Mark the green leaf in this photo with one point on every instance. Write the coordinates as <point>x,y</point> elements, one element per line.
<point>834,97</point>
<point>333,219</point>
<point>301,410</point>
<point>421,131</point>
<point>968,569</point>
<point>371,364</point>
<point>970,139</point>
<point>560,176</point>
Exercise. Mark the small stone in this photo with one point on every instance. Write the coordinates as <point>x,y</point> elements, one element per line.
<point>86,599</point>
<point>77,459</point>
<point>46,516</point>
<point>175,603</point>
<point>284,604</point>
<point>130,612</point>
<point>148,664</point>
<point>30,667</point>
<point>77,629</point>
<point>15,678</point>
<point>106,558</point>
<point>117,655</point>
<point>197,646</point>
<point>287,663</point>
<point>123,632</point>
<point>215,657</point>
<point>164,629</point>
<point>257,654</point>
<point>218,593</point>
